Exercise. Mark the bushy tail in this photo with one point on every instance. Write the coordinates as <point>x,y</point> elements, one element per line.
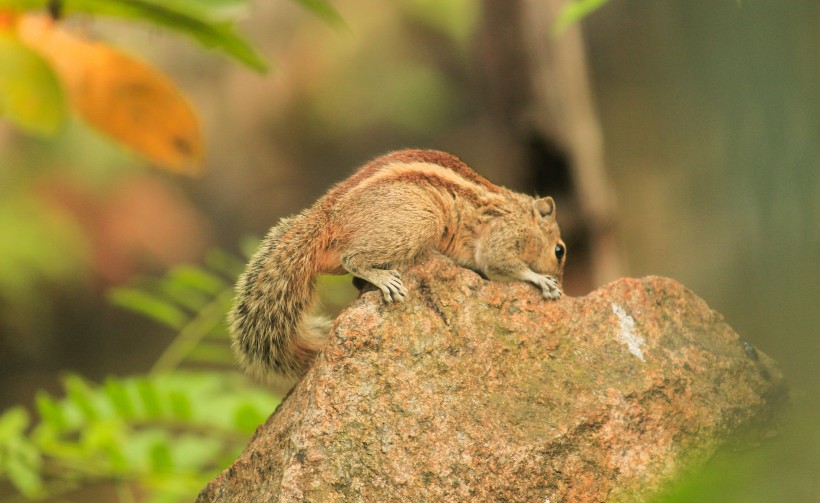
<point>271,332</point>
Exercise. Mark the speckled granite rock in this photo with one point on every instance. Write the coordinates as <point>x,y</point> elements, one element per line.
<point>473,390</point>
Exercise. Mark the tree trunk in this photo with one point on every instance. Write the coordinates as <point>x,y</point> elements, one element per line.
<point>538,89</point>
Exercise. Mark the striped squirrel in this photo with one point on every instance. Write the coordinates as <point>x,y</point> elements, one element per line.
<point>372,223</point>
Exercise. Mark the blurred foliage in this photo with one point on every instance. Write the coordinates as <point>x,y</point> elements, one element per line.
<point>455,19</point>
<point>574,11</point>
<point>24,257</point>
<point>30,94</point>
<point>77,218</point>
<point>783,468</point>
<point>47,248</point>
<point>45,67</point>
<point>413,97</point>
<point>163,435</point>
<point>124,98</point>
<point>323,10</point>
<point>193,301</point>
<point>209,22</point>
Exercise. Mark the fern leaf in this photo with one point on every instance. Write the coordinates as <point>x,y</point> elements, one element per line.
<point>149,305</point>
<point>120,398</point>
<point>149,398</point>
<point>198,279</point>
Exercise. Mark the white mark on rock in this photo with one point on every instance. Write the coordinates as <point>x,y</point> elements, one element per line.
<point>628,334</point>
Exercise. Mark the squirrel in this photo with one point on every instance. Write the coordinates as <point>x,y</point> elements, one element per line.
<point>371,224</point>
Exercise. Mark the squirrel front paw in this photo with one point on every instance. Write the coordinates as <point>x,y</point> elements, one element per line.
<point>549,287</point>
<point>548,284</point>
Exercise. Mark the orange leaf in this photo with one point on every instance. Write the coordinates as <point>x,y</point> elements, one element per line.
<point>120,95</point>
<point>8,19</point>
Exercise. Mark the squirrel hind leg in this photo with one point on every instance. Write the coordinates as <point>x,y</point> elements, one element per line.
<point>387,280</point>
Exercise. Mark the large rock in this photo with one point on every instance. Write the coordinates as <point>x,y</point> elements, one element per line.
<point>473,390</point>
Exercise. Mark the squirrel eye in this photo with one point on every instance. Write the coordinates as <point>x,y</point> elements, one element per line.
<point>560,251</point>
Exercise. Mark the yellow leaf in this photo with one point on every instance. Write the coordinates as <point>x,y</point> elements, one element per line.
<point>30,94</point>
<point>120,95</point>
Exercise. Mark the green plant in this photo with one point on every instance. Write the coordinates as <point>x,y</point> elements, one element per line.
<point>193,301</point>
<point>162,435</point>
<point>209,22</point>
<point>50,71</point>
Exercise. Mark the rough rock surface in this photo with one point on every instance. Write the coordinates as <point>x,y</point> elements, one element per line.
<point>472,390</point>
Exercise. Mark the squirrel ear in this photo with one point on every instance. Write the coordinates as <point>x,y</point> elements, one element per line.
<point>545,206</point>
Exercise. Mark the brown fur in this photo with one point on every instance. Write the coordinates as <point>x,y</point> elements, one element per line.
<point>374,222</point>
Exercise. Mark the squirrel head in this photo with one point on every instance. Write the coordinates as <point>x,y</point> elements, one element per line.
<point>549,253</point>
<point>550,249</point>
<point>528,234</point>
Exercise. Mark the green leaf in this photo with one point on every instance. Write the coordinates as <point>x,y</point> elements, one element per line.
<point>50,412</point>
<point>120,398</point>
<point>192,299</point>
<point>20,461</point>
<point>22,465</point>
<point>115,456</point>
<point>324,11</point>
<point>151,448</point>
<point>193,452</point>
<point>209,319</point>
<point>180,405</point>
<point>574,12</point>
<point>160,456</point>
<point>152,406</point>
<point>80,395</point>
<point>30,94</point>
<point>105,438</point>
<point>13,424</point>
<point>247,418</point>
<point>197,278</point>
<point>207,25</point>
<point>149,305</point>
<point>214,11</point>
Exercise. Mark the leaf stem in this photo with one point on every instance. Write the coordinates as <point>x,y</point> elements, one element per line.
<point>192,333</point>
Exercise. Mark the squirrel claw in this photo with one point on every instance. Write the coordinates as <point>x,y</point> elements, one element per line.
<point>547,284</point>
<point>549,287</point>
<point>391,285</point>
<point>553,293</point>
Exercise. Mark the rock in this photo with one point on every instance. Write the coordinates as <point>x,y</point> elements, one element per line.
<point>473,390</point>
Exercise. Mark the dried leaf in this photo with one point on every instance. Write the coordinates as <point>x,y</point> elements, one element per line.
<point>121,96</point>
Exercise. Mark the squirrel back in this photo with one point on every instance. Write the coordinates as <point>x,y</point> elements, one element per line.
<point>378,219</point>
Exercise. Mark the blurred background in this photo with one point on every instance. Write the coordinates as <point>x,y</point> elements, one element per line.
<point>679,139</point>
